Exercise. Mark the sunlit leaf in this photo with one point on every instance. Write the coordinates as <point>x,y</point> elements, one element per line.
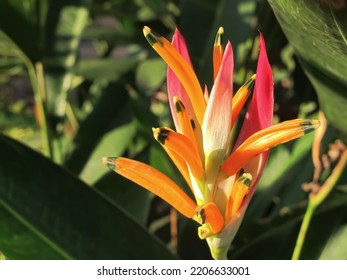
<point>151,74</point>
<point>47,213</point>
<point>318,32</point>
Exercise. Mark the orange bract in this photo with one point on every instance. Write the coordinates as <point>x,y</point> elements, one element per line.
<point>154,181</point>
<point>181,68</point>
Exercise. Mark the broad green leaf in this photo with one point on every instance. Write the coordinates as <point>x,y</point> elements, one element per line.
<point>111,110</point>
<point>130,197</point>
<point>150,74</point>
<point>47,213</point>
<point>318,32</point>
<point>336,247</point>
<point>108,68</point>
<point>113,143</point>
<point>2,257</point>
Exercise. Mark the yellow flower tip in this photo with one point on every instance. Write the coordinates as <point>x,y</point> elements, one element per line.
<point>155,132</point>
<point>245,179</point>
<point>250,83</point>
<point>109,162</point>
<point>146,30</point>
<point>161,134</point>
<point>205,231</point>
<point>211,219</point>
<point>218,39</point>
<point>151,37</point>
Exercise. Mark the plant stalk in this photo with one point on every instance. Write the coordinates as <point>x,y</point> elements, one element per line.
<point>37,80</point>
<point>315,200</point>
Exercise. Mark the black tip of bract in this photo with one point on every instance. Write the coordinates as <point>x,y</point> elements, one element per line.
<point>309,129</point>
<point>163,135</point>
<point>250,83</point>
<point>109,162</point>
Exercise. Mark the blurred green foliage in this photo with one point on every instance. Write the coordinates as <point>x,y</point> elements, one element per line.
<point>78,81</point>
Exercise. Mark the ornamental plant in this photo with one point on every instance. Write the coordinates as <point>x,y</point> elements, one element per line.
<point>221,165</point>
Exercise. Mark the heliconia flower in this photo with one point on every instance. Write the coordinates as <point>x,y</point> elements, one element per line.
<point>221,169</point>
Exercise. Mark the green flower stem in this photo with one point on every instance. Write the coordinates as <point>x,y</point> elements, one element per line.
<point>315,200</point>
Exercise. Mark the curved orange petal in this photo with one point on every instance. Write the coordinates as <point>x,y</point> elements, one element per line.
<point>210,217</point>
<point>182,146</point>
<point>188,125</point>
<point>238,192</point>
<point>154,181</point>
<point>265,139</point>
<point>181,68</point>
<point>174,86</point>
<point>240,98</point>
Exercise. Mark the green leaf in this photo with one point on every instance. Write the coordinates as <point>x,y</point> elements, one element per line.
<point>324,226</point>
<point>111,111</point>
<point>47,213</point>
<point>108,69</point>
<point>336,247</point>
<point>150,74</point>
<point>132,198</point>
<point>280,231</point>
<point>48,32</point>
<point>113,143</point>
<point>62,34</point>
<point>9,118</point>
<point>318,32</point>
